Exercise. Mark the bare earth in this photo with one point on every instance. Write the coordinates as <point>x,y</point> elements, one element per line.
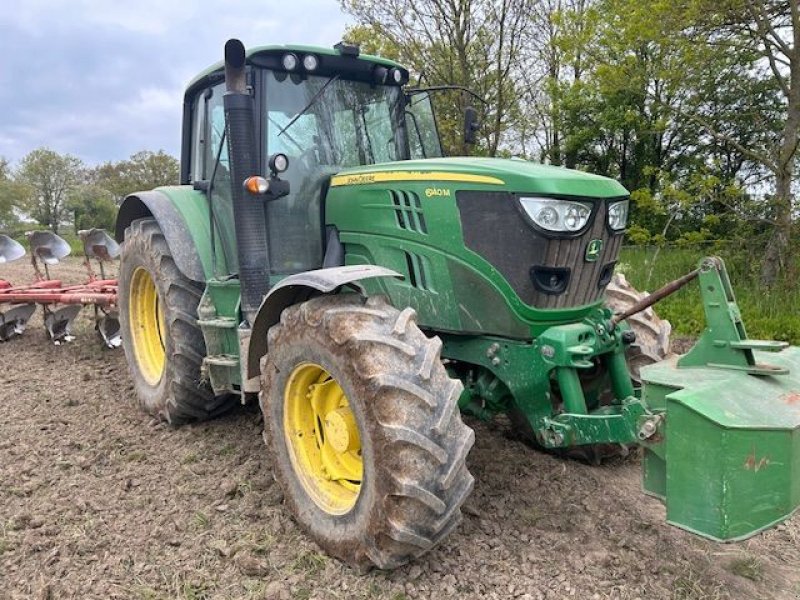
<point>97,500</point>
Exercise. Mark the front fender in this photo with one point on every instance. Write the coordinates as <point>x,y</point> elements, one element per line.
<point>299,288</point>
<point>182,214</point>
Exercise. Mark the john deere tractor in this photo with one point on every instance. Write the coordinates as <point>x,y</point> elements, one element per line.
<point>322,253</point>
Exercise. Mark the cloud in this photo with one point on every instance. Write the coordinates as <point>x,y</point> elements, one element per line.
<point>103,79</point>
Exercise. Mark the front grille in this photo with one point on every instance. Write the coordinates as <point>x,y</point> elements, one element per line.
<point>495,228</point>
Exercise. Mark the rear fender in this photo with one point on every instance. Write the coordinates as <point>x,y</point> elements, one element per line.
<point>182,214</point>
<point>299,288</point>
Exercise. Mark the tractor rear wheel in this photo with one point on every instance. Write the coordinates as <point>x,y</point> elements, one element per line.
<point>363,429</point>
<point>163,344</point>
<point>652,333</point>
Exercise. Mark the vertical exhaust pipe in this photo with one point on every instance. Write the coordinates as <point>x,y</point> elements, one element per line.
<point>249,216</point>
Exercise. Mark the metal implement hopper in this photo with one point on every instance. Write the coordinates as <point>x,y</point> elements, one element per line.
<point>725,454</point>
<point>729,462</point>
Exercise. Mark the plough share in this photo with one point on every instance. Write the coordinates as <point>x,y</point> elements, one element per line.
<point>60,303</point>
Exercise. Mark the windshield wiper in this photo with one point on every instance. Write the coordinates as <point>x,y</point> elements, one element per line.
<point>310,103</point>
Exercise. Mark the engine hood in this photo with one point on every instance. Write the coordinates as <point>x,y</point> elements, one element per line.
<point>514,175</point>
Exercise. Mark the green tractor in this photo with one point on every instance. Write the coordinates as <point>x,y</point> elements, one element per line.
<point>323,254</point>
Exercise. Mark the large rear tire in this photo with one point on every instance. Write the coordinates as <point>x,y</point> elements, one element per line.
<point>363,429</point>
<point>163,344</point>
<point>652,333</point>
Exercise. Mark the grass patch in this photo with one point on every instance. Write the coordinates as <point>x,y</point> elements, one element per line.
<point>5,545</point>
<point>136,456</point>
<point>144,592</point>
<point>201,520</point>
<point>748,567</point>
<point>263,545</point>
<point>226,450</point>
<point>309,563</point>
<point>194,591</point>
<point>768,313</point>
<point>691,586</point>
<point>530,515</point>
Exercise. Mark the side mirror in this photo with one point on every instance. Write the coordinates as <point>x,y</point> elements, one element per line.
<point>471,125</point>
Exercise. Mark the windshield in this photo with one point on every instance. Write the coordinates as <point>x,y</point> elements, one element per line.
<point>346,123</point>
<point>324,125</point>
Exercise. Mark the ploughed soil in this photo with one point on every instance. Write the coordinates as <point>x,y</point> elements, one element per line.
<point>97,500</point>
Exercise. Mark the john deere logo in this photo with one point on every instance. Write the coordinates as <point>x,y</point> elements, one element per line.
<point>593,250</point>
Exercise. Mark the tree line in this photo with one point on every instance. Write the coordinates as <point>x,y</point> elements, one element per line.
<point>58,190</point>
<point>694,105</point>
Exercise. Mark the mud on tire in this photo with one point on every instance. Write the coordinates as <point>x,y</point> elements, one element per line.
<point>179,396</point>
<point>413,441</point>
<point>652,333</point>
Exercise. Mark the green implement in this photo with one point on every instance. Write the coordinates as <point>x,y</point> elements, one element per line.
<point>725,455</point>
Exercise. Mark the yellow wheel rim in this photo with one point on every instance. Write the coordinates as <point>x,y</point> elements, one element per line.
<point>148,330</point>
<point>323,438</point>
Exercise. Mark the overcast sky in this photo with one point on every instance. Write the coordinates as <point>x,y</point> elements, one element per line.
<point>102,79</point>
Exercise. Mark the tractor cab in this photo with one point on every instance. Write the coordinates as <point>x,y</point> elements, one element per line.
<point>326,111</point>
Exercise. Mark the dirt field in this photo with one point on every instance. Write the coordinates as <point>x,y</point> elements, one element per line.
<point>99,501</point>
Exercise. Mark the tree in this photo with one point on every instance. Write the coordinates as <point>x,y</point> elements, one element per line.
<point>92,206</point>
<point>50,179</point>
<point>769,30</point>
<point>473,43</point>
<point>628,86</point>
<point>144,170</point>
<point>11,196</point>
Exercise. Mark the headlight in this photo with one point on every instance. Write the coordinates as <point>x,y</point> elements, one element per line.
<point>557,215</point>
<point>618,215</point>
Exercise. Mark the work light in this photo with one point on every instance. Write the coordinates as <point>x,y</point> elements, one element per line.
<point>618,215</point>
<point>310,62</point>
<point>290,61</point>
<point>557,215</point>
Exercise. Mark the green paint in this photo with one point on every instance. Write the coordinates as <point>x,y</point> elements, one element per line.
<point>517,176</point>
<point>467,293</point>
<point>193,207</point>
<point>726,457</point>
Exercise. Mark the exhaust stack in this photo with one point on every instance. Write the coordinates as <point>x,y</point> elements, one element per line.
<point>249,215</point>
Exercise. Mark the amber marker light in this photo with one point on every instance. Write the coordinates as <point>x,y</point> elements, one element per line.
<point>256,185</point>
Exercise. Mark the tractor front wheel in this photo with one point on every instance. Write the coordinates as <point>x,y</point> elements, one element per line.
<point>363,429</point>
<point>163,344</point>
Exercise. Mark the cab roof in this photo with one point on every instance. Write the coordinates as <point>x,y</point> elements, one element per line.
<point>255,55</point>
